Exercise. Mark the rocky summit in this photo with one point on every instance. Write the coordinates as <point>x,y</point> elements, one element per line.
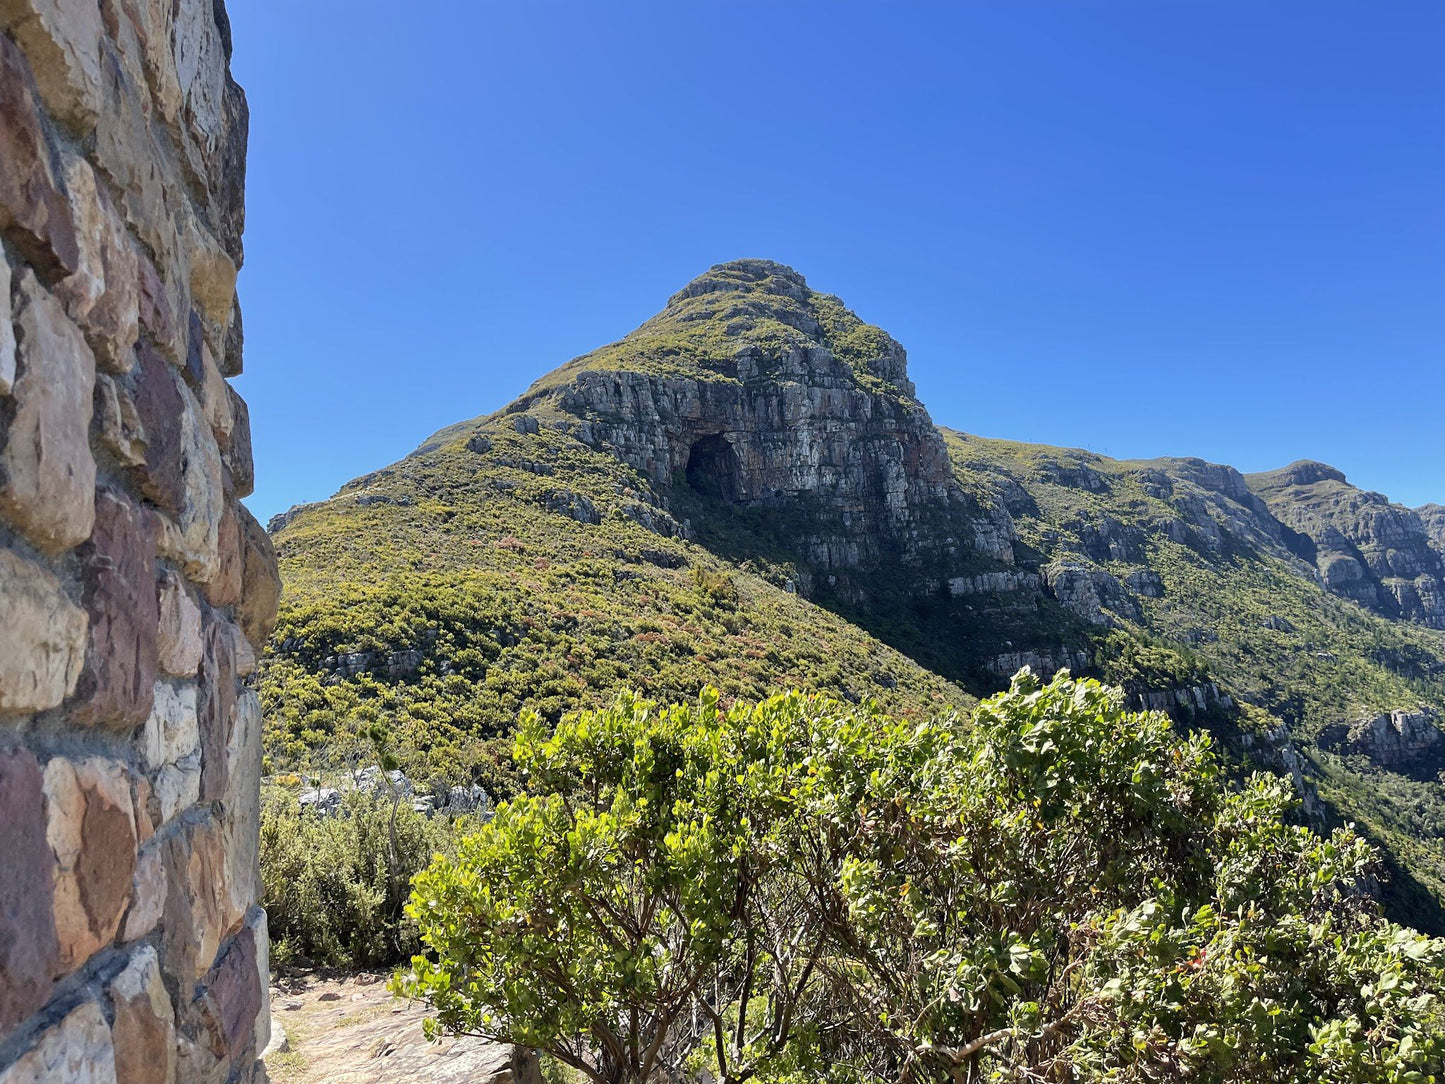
<point>747,492</point>
<point>1365,548</point>
<point>752,388</point>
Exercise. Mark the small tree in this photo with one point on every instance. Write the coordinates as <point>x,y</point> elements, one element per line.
<point>1060,891</point>
<point>612,917</point>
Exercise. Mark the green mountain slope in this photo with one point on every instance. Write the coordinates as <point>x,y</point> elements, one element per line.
<point>442,594</point>
<point>1189,554</point>
<point>747,492</point>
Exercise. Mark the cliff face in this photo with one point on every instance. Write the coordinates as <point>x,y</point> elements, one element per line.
<point>752,389</point>
<point>1433,517</point>
<point>135,589</point>
<point>1366,549</point>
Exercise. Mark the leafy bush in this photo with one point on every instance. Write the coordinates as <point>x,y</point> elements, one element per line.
<point>335,888</point>
<point>1063,891</point>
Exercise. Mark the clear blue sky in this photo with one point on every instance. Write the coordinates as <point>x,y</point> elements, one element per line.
<point>1146,228</point>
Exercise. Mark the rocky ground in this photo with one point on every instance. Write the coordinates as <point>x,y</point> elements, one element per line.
<point>347,1029</point>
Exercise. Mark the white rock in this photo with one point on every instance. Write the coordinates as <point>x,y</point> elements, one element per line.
<point>7,330</point>
<point>78,1050</point>
<point>172,732</point>
<point>42,637</point>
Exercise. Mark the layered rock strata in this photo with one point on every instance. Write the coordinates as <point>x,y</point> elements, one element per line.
<point>1365,548</point>
<point>751,388</point>
<point>135,589</point>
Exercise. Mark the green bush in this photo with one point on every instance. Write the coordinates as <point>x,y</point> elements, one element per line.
<point>1063,891</point>
<point>335,887</point>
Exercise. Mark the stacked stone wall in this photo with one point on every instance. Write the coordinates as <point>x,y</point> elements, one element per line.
<point>135,589</point>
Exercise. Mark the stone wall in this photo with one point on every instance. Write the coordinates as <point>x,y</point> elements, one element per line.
<point>134,589</point>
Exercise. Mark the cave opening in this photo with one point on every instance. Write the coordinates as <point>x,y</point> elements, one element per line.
<point>713,469</point>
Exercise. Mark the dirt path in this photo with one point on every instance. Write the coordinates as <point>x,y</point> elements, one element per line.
<point>346,1029</point>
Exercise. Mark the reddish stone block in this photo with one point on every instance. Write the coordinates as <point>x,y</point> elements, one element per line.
<point>225,589</point>
<point>29,949</point>
<point>90,826</point>
<point>117,687</point>
<point>159,405</point>
<point>33,207</point>
<point>232,997</point>
<point>156,314</point>
<point>238,456</point>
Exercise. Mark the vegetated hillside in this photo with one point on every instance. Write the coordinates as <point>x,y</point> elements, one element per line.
<point>746,492</point>
<point>1193,554</point>
<point>441,595</point>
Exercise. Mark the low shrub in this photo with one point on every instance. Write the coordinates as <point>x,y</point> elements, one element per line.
<point>335,887</point>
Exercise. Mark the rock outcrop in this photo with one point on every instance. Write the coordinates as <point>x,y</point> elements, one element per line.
<point>1409,742</point>
<point>1366,549</point>
<point>751,389</point>
<point>135,590</point>
<point>1433,518</point>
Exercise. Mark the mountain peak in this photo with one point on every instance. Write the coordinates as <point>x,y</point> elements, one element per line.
<point>749,321</point>
<point>1302,472</point>
<point>747,276</point>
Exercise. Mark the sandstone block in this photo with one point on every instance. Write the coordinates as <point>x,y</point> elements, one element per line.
<point>144,1031</point>
<point>150,25</point>
<point>7,336</point>
<point>47,474</point>
<point>201,71</point>
<point>215,396</point>
<point>90,826</point>
<point>120,430</point>
<point>204,504</point>
<point>62,40</point>
<point>147,894</point>
<point>140,166</point>
<point>225,588</point>
<point>257,923</point>
<point>246,661</point>
<point>78,1050</point>
<point>237,453</point>
<point>144,825</point>
<point>175,788</point>
<point>180,627</point>
<point>117,686</point>
<point>241,802</point>
<point>228,187</point>
<point>261,582</point>
<point>154,309</point>
<point>183,472</point>
<point>158,403</point>
<point>29,950</point>
<point>234,995</point>
<point>213,273</point>
<point>232,363</point>
<point>214,706</point>
<point>42,637</point>
<point>198,912</point>
<point>171,732</point>
<point>103,294</point>
<point>33,208</point>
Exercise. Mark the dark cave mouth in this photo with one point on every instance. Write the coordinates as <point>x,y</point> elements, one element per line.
<point>713,469</point>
